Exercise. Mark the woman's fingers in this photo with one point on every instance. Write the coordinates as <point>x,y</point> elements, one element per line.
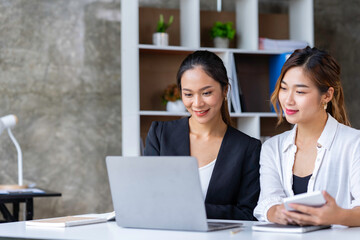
<point>304,209</point>
<point>301,218</point>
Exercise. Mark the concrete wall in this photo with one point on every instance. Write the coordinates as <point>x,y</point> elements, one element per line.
<point>60,73</point>
<point>337,29</point>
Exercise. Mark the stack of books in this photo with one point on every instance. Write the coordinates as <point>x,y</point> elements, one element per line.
<point>70,221</point>
<point>285,45</point>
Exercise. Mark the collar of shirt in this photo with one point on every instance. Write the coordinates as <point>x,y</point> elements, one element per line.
<point>323,144</point>
<point>325,140</point>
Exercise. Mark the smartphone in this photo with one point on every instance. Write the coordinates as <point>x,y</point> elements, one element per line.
<point>312,199</point>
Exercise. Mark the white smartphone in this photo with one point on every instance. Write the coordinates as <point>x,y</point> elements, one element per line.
<point>313,199</point>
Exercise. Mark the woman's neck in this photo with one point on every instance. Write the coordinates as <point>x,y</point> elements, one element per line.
<point>217,127</point>
<point>311,130</point>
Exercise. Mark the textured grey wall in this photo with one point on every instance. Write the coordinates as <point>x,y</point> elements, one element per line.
<point>60,74</point>
<point>337,29</point>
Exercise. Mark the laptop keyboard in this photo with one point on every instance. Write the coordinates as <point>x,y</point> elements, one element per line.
<point>223,225</point>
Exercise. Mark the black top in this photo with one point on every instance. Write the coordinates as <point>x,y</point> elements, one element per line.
<point>300,184</point>
<point>234,185</point>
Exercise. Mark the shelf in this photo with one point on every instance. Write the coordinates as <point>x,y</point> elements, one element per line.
<point>254,114</point>
<point>148,69</point>
<point>163,113</point>
<point>150,47</point>
<point>166,113</point>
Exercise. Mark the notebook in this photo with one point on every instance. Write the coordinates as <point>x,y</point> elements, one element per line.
<point>159,193</point>
<point>70,221</point>
<point>273,227</point>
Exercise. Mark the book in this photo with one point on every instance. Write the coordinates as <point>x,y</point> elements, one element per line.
<point>274,227</point>
<point>232,95</point>
<point>276,63</point>
<point>235,92</point>
<point>70,221</point>
<point>283,44</point>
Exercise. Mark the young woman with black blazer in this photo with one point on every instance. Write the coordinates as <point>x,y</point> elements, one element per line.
<point>228,159</point>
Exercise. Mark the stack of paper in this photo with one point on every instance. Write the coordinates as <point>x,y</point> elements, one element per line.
<point>21,191</point>
<point>286,45</point>
<point>70,221</point>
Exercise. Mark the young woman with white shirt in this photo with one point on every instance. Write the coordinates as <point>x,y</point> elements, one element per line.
<point>321,152</point>
<point>228,159</point>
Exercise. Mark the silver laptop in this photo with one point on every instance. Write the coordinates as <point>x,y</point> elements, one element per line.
<point>159,193</point>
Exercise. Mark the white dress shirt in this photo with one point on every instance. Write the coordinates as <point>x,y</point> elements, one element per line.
<point>205,173</point>
<point>337,167</point>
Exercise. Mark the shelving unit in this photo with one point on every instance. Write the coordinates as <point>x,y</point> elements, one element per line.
<point>148,69</point>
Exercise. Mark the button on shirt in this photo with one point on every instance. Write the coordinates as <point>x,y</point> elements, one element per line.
<point>337,167</point>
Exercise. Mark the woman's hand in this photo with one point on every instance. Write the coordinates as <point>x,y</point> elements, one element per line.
<point>328,214</point>
<point>276,214</point>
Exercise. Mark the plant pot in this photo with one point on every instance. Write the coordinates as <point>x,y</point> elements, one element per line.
<point>176,106</point>
<point>160,39</point>
<point>220,42</point>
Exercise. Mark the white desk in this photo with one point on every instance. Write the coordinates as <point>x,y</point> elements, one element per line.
<point>110,230</point>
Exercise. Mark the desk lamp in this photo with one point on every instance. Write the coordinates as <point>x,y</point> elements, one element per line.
<point>8,122</point>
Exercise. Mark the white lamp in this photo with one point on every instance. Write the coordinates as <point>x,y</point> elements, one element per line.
<point>8,122</point>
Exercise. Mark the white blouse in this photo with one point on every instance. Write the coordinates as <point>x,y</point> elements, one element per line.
<point>337,167</point>
<point>205,173</point>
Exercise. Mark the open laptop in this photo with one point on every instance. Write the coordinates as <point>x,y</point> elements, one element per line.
<point>159,193</point>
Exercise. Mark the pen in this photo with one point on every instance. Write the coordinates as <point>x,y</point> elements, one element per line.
<point>235,231</point>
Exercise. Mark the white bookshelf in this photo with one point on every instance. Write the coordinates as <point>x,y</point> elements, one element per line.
<point>184,114</point>
<point>130,118</point>
<point>301,28</point>
<point>190,49</point>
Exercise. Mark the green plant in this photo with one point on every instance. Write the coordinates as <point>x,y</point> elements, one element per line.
<point>162,26</point>
<point>171,93</point>
<point>224,30</point>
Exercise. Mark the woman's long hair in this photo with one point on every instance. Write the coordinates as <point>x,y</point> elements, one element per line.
<point>214,67</point>
<point>324,71</point>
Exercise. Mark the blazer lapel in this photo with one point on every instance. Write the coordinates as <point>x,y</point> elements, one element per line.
<point>180,142</point>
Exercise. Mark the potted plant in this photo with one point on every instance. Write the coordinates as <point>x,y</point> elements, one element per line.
<point>222,33</point>
<point>171,98</point>
<point>160,37</point>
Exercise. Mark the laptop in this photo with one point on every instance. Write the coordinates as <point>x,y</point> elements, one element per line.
<point>159,193</point>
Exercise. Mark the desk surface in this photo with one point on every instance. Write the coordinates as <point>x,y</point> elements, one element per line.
<point>110,230</point>
<point>24,195</point>
<point>18,196</point>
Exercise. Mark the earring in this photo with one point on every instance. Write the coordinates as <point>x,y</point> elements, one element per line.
<point>225,99</point>
<point>325,106</point>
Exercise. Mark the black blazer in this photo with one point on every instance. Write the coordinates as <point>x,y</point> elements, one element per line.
<point>234,185</point>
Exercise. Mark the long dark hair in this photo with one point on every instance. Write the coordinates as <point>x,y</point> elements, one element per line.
<point>324,71</point>
<point>214,67</point>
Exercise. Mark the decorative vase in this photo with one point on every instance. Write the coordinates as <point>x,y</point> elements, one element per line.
<point>220,42</point>
<point>161,39</point>
<point>176,106</point>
